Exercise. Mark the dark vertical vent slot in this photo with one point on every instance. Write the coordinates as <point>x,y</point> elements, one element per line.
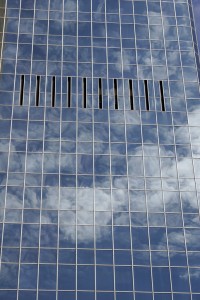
<point>53,91</point>
<point>162,98</point>
<point>131,94</point>
<point>84,93</point>
<point>100,94</point>
<point>146,94</point>
<point>37,100</point>
<point>69,91</point>
<point>21,100</point>
<point>115,93</point>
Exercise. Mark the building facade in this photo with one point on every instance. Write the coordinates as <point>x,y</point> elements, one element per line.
<point>99,150</point>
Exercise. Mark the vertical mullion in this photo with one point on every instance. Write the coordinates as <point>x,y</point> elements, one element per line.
<point>22,90</point>
<point>100,94</point>
<point>116,94</point>
<point>162,96</point>
<point>146,94</point>
<point>53,91</point>
<point>2,30</point>
<point>37,91</point>
<point>131,94</point>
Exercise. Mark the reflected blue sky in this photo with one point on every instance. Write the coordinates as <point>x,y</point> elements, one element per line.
<point>196,4</point>
<point>99,200</point>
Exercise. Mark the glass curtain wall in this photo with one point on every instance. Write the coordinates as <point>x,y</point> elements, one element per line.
<point>99,150</point>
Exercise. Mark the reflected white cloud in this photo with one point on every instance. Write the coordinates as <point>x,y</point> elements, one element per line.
<point>50,197</point>
<point>195,273</point>
<point>70,5</point>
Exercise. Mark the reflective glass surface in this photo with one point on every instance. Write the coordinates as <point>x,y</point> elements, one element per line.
<point>99,150</point>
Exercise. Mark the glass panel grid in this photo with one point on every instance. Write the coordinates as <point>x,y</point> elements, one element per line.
<point>99,201</point>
